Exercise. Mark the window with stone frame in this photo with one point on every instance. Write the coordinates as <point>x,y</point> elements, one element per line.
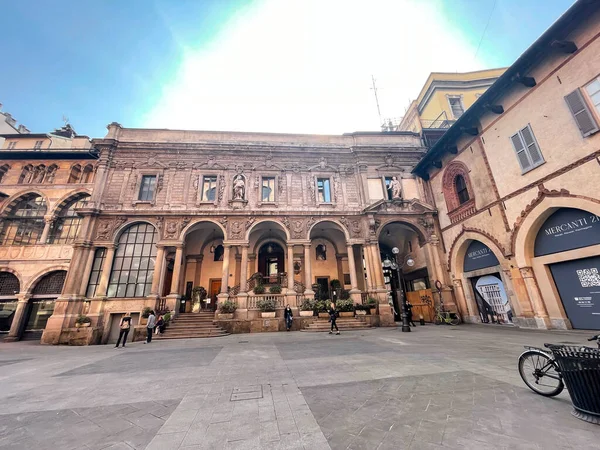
<point>456,105</point>
<point>458,191</point>
<point>323,190</point>
<point>94,281</point>
<point>24,223</point>
<point>147,188</point>
<point>66,225</point>
<point>209,188</point>
<point>267,194</point>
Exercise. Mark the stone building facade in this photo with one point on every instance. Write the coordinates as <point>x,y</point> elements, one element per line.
<point>172,210</point>
<point>514,183</point>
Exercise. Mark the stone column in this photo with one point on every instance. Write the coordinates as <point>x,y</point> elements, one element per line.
<point>176,270</point>
<point>87,271</point>
<point>17,323</point>
<point>244,270</point>
<point>464,307</point>
<point>106,269</point>
<point>533,290</point>
<point>290,267</point>
<point>48,221</point>
<point>307,272</point>
<point>377,267</point>
<point>371,285</point>
<point>225,275</point>
<point>354,291</point>
<point>156,276</point>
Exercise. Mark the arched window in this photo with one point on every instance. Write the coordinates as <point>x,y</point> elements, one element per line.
<point>24,223</point>
<point>88,174</point>
<point>66,226</point>
<point>39,173</point>
<point>461,189</point>
<point>26,174</point>
<point>50,174</point>
<point>9,284</point>
<point>3,171</point>
<point>75,174</point>
<point>133,266</point>
<point>9,288</point>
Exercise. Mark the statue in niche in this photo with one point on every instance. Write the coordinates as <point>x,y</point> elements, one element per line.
<point>239,188</point>
<point>395,188</point>
<point>321,252</point>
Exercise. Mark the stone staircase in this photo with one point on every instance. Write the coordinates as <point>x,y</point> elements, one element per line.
<point>343,323</point>
<point>193,325</point>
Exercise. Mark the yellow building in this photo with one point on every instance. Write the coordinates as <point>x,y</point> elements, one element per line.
<point>443,99</point>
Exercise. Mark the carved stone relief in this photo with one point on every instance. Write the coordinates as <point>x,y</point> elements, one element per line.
<point>106,227</point>
<point>310,181</point>
<point>221,187</point>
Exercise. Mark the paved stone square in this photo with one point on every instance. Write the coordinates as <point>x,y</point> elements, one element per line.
<point>435,388</point>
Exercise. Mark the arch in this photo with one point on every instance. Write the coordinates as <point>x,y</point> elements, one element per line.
<point>15,198</point>
<point>265,240</point>
<point>15,274</point>
<point>123,227</point>
<point>66,199</point>
<point>33,281</point>
<point>88,174</point>
<point>341,227</point>
<point>24,222</point>
<point>3,170</point>
<point>26,174</point>
<point>75,174</point>
<point>452,173</point>
<point>459,247</point>
<point>535,214</point>
<point>421,233</point>
<point>274,221</point>
<point>66,226</point>
<point>186,230</point>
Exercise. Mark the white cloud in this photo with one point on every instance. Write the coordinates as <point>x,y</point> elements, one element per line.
<point>305,67</point>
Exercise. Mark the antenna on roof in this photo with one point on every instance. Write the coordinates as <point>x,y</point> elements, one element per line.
<point>376,99</point>
<point>65,119</point>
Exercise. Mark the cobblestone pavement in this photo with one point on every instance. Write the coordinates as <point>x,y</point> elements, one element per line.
<point>434,388</point>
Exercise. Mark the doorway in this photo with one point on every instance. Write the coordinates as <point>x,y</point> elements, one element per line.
<point>271,262</point>
<point>492,301</point>
<point>323,283</point>
<point>215,289</point>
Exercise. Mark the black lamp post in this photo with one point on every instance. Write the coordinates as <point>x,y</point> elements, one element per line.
<point>400,292</point>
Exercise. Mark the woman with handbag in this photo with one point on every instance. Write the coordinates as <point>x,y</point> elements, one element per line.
<point>124,329</point>
<point>333,315</point>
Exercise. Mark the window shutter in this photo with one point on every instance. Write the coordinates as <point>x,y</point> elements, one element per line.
<point>532,148</point>
<point>582,115</point>
<point>520,151</point>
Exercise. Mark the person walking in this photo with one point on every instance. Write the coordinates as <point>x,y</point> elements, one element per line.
<point>409,313</point>
<point>159,325</point>
<point>124,326</point>
<point>332,318</point>
<point>288,317</point>
<point>150,326</point>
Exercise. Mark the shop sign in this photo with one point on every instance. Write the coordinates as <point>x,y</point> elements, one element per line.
<point>567,229</point>
<point>578,283</point>
<point>479,256</point>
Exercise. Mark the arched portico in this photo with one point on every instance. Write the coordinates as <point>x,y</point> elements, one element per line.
<point>540,271</point>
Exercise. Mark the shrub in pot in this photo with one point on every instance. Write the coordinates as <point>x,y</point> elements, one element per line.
<point>321,307</point>
<point>82,321</point>
<point>226,309</point>
<point>275,289</point>
<point>267,307</point>
<point>259,289</point>
<point>146,312</point>
<point>307,308</point>
<point>372,304</point>
<point>345,307</point>
<point>360,309</point>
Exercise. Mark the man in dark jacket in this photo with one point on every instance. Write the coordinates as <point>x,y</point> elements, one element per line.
<point>332,318</point>
<point>288,317</point>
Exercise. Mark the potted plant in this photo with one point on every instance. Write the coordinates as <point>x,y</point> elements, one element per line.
<point>167,318</point>
<point>372,305</point>
<point>267,307</point>
<point>259,289</point>
<point>307,308</point>
<point>346,308</point>
<point>82,321</point>
<point>275,289</point>
<point>321,307</point>
<point>145,314</point>
<point>226,310</point>
<point>360,309</point>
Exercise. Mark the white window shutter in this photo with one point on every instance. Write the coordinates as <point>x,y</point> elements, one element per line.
<point>581,113</point>
<point>535,155</point>
<point>520,151</point>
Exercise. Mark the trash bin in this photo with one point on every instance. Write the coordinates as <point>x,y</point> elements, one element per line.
<point>580,369</point>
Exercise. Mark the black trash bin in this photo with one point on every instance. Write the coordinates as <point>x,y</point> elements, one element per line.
<point>580,368</point>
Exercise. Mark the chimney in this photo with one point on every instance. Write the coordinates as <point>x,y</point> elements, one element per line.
<point>9,119</point>
<point>23,129</point>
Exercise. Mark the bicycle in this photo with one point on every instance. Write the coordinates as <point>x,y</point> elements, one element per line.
<point>448,318</point>
<point>540,372</point>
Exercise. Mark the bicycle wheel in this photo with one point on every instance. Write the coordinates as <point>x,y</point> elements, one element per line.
<point>540,373</point>
<point>438,319</point>
<point>454,320</point>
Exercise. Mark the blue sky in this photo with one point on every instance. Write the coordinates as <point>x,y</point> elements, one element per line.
<point>263,65</point>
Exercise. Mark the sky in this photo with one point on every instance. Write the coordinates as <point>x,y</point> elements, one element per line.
<point>283,66</point>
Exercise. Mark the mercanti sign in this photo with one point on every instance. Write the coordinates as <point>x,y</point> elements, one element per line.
<point>567,229</point>
<point>479,256</point>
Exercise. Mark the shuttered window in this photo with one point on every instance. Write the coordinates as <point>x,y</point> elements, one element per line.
<point>527,149</point>
<point>581,113</point>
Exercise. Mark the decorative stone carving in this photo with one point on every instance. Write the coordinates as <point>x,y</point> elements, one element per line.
<point>426,223</point>
<point>133,182</point>
<point>298,230</point>
<point>159,183</point>
<point>355,228</point>
<point>236,229</point>
<point>395,188</point>
<point>281,185</point>
<point>249,221</point>
<point>310,180</point>
<point>223,221</point>
<point>104,229</point>
<point>221,187</point>
<point>336,188</point>
<point>171,229</point>
<point>286,222</point>
<point>239,187</point>
<point>159,223</point>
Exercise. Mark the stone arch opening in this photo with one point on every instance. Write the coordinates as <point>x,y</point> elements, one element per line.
<point>10,286</point>
<point>24,223</point>
<point>40,307</point>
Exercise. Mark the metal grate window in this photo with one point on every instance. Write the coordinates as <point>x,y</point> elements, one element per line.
<point>133,267</point>
<point>67,224</point>
<point>99,257</point>
<point>25,222</point>
<point>9,284</point>
<point>51,284</point>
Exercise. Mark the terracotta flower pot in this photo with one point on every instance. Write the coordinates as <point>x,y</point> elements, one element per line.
<point>226,316</point>
<point>306,313</point>
<point>361,312</point>
<point>323,315</point>
<point>267,315</point>
<point>347,314</point>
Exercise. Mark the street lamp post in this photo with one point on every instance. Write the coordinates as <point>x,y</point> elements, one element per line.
<point>400,292</point>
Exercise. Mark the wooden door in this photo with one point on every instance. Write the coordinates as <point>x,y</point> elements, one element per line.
<point>215,289</point>
<point>422,302</point>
